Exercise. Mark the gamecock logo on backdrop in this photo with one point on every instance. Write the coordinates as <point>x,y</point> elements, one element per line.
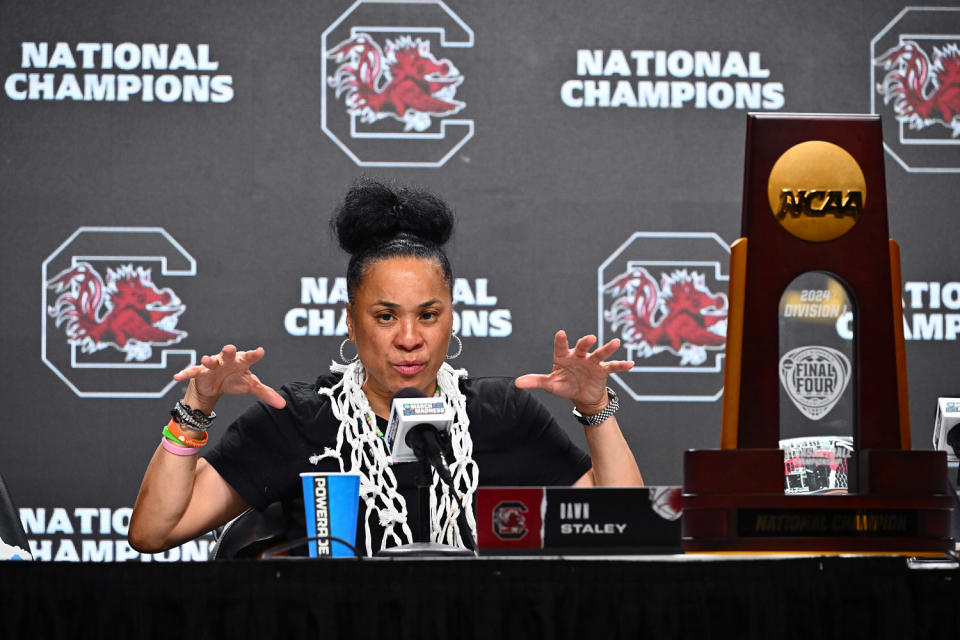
<point>390,87</point>
<point>915,80</point>
<point>664,295</point>
<point>923,93</point>
<point>681,316</point>
<point>667,502</point>
<point>128,312</point>
<point>106,323</point>
<point>407,83</point>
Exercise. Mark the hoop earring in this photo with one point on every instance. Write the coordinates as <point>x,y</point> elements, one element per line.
<point>459,347</point>
<point>343,357</point>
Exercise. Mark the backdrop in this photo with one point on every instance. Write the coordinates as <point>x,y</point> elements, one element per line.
<point>168,174</point>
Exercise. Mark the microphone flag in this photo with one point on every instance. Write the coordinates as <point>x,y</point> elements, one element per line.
<point>410,408</point>
<point>948,417</point>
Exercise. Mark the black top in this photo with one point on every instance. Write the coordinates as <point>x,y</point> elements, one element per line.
<point>516,442</point>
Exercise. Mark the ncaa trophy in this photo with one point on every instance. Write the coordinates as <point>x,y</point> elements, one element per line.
<point>815,342</point>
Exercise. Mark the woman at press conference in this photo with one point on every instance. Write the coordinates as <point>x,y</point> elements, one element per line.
<point>400,321</point>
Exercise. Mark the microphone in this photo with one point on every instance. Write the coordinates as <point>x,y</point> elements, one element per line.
<point>419,429</point>
<point>410,409</point>
<point>424,439</point>
<point>953,439</point>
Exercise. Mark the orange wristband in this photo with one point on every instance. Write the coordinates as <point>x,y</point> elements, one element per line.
<point>174,428</point>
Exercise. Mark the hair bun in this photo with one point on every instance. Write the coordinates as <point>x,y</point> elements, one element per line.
<point>374,213</point>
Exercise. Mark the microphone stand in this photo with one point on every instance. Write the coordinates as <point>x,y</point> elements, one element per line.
<point>465,534</point>
<point>431,549</point>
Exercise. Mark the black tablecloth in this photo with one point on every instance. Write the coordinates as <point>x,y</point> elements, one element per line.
<point>810,598</point>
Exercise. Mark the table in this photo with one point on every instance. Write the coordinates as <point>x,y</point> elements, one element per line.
<point>517,598</point>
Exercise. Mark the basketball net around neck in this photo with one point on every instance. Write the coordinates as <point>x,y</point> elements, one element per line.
<point>369,457</point>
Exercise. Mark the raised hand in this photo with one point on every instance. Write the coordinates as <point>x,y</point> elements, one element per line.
<point>577,374</point>
<point>227,372</point>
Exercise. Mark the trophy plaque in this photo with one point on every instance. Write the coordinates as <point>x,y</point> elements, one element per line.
<point>815,361</point>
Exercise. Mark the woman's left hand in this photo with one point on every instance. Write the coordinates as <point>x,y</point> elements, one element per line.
<point>577,374</point>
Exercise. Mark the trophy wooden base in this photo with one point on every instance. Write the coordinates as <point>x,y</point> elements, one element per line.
<point>733,500</point>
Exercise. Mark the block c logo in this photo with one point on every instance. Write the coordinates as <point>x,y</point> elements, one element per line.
<point>389,91</point>
<point>98,289</point>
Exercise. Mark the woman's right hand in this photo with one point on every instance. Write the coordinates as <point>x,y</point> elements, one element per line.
<point>226,372</point>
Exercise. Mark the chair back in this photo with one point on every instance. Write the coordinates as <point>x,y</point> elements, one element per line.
<point>11,529</point>
<point>250,533</point>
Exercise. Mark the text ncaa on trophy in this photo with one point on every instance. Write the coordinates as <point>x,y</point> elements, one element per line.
<point>815,207</point>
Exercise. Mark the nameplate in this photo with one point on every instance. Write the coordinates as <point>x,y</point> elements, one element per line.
<point>792,523</point>
<point>568,520</point>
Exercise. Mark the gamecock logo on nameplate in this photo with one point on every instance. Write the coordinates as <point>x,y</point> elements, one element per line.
<point>509,520</point>
<point>664,295</point>
<point>392,89</point>
<point>915,86</point>
<point>110,312</point>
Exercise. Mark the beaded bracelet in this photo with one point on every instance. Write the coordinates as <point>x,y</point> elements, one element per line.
<point>179,451</point>
<point>174,430</point>
<point>193,418</point>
